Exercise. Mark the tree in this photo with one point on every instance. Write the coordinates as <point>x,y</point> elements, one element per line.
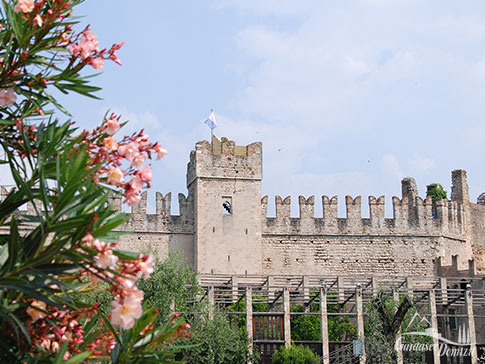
<point>63,247</point>
<point>385,318</point>
<point>436,191</point>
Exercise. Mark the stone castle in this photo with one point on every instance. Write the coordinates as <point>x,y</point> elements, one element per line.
<point>223,227</point>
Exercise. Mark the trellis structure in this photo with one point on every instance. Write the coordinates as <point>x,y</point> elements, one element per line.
<point>272,329</point>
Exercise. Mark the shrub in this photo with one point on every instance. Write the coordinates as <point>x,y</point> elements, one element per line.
<point>295,354</point>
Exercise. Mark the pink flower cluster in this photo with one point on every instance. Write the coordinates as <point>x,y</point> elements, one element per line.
<point>24,6</point>
<point>68,328</point>
<point>131,151</point>
<point>127,303</point>
<point>87,49</point>
<point>7,97</point>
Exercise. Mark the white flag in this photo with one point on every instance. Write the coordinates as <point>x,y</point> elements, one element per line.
<point>211,121</point>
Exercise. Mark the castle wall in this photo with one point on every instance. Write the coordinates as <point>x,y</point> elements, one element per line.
<point>407,244</point>
<point>349,255</point>
<point>477,217</point>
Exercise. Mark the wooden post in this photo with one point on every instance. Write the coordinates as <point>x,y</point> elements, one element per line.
<point>324,325</point>
<point>471,325</point>
<point>286,316</point>
<point>434,327</point>
<point>249,316</point>
<point>360,321</point>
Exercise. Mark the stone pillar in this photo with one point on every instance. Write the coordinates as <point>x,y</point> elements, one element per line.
<point>306,292</point>
<point>444,290</point>
<point>172,306</point>
<point>286,316</point>
<point>270,283</point>
<point>409,286</point>
<point>234,283</point>
<point>375,286</point>
<point>471,325</point>
<point>211,297</point>
<point>434,327</point>
<point>340,289</point>
<point>400,359</point>
<point>324,325</point>
<point>409,190</point>
<point>249,316</point>
<point>360,320</point>
<point>459,186</point>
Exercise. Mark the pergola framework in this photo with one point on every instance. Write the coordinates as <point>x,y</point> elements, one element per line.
<point>279,292</point>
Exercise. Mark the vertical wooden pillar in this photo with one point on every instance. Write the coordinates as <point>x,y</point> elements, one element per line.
<point>286,316</point>
<point>400,359</point>
<point>249,316</point>
<point>360,321</point>
<point>324,325</point>
<point>211,297</point>
<point>471,325</point>
<point>434,326</point>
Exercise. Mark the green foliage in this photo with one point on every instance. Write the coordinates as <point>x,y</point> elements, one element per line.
<point>172,280</point>
<point>436,191</point>
<point>295,354</point>
<point>307,327</point>
<point>216,341</point>
<point>376,341</point>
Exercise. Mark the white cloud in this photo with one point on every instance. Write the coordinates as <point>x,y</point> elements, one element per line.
<point>419,164</point>
<point>390,165</point>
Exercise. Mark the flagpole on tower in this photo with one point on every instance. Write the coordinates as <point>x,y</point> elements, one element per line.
<point>212,124</point>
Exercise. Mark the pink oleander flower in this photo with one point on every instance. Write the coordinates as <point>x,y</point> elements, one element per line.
<point>24,6</point>
<point>110,143</point>
<point>129,151</point>
<point>7,97</point>
<point>147,266</point>
<point>106,259</point>
<point>38,20</point>
<point>115,176</point>
<point>132,198</point>
<point>34,312</point>
<point>136,184</point>
<point>112,125</point>
<point>146,174</point>
<point>159,150</point>
<point>89,44</point>
<point>97,63</point>
<point>89,240</point>
<point>138,160</point>
<point>126,312</point>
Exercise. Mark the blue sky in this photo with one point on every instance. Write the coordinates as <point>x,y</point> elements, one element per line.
<point>348,97</point>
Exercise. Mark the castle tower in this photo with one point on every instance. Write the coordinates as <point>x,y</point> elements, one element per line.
<point>225,182</point>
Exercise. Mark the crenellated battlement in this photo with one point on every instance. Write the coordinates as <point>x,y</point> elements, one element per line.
<point>223,159</point>
<point>223,224</point>
<point>408,219</point>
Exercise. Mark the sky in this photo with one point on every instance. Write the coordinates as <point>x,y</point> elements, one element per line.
<point>348,97</point>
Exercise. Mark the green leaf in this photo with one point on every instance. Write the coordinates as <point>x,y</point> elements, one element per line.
<point>79,358</point>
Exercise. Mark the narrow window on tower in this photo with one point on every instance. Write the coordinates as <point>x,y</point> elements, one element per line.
<point>226,205</point>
